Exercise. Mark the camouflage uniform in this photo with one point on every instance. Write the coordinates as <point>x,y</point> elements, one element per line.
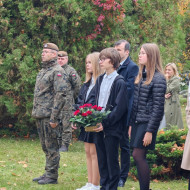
<point>73,88</point>
<point>49,99</point>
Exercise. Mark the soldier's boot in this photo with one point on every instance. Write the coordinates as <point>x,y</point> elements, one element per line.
<point>39,178</point>
<point>64,148</point>
<point>47,180</point>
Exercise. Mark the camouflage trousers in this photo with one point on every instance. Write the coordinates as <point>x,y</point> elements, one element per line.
<point>49,142</point>
<point>66,127</point>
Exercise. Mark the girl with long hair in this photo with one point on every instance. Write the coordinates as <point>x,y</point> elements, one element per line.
<point>148,108</point>
<point>92,72</point>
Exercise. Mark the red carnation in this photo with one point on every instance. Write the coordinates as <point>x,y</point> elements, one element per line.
<point>76,112</point>
<point>87,105</point>
<point>84,114</point>
<point>94,107</point>
<point>89,112</point>
<point>99,108</point>
<point>81,107</point>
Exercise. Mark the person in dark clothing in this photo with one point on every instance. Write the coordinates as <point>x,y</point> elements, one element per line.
<point>129,70</point>
<point>111,94</point>
<point>148,108</point>
<point>92,72</point>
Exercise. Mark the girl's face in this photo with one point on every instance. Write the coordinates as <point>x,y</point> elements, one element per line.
<point>142,57</point>
<point>169,71</point>
<point>89,67</point>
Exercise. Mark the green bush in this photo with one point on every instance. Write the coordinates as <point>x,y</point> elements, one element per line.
<point>79,27</point>
<point>165,160</point>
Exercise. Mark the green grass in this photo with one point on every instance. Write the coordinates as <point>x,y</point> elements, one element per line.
<point>22,159</point>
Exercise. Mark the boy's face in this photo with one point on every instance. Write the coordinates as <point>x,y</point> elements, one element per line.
<point>105,63</point>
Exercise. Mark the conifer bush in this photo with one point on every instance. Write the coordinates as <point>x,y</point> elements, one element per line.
<point>78,27</point>
<point>165,160</point>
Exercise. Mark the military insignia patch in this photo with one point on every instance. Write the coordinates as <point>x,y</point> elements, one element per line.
<point>45,45</point>
<point>59,74</point>
<point>73,75</point>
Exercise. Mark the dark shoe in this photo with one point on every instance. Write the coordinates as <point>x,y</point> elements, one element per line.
<point>121,183</point>
<point>47,180</point>
<point>64,148</point>
<point>39,178</point>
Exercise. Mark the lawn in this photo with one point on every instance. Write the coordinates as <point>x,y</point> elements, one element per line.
<point>22,159</point>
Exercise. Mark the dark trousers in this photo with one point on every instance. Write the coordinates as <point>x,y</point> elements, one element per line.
<point>107,151</point>
<point>48,138</point>
<point>125,155</point>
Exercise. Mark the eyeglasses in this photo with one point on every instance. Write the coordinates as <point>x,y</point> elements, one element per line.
<point>102,59</point>
<point>142,53</point>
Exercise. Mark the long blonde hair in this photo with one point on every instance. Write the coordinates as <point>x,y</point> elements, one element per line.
<point>94,58</point>
<point>153,64</point>
<point>174,67</point>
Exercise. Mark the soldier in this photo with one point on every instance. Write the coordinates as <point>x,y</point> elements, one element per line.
<point>73,86</point>
<point>49,99</point>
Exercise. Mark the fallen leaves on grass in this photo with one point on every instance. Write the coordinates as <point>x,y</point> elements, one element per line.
<point>155,180</point>
<point>21,162</point>
<point>25,165</point>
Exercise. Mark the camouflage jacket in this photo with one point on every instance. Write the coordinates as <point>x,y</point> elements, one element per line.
<point>50,91</point>
<point>73,86</point>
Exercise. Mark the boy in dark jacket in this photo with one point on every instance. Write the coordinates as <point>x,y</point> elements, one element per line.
<point>111,94</point>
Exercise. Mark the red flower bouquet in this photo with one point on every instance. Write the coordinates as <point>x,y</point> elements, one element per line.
<point>88,116</point>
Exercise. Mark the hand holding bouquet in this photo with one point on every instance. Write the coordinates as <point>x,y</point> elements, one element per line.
<point>88,115</point>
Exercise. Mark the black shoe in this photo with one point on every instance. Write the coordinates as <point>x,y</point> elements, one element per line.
<point>64,148</point>
<point>39,178</point>
<point>121,183</point>
<point>47,180</point>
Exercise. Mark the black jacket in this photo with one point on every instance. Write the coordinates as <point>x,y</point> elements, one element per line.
<point>81,99</point>
<point>148,104</point>
<point>129,71</point>
<point>115,122</point>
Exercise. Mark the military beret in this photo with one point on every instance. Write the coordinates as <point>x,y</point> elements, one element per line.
<point>51,46</point>
<point>62,53</point>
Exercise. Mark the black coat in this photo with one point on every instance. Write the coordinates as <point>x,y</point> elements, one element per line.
<point>81,99</point>
<point>115,122</point>
<point>129,71</point>
<point>148,104</point>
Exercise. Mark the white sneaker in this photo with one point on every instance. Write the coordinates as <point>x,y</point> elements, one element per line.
<point>92,187</point>
<point>85,187</point>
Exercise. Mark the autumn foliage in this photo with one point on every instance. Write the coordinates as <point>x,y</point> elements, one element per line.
<point>78,27</point>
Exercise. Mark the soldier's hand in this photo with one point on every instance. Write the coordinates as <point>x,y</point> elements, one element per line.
<point>53,125</point>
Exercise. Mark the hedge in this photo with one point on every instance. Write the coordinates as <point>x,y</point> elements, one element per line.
<point>165,160</point>
<point>79,27</point>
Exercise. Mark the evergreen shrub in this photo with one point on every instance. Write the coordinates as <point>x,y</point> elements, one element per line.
<point>165,160</point>
<point>78,27</point>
